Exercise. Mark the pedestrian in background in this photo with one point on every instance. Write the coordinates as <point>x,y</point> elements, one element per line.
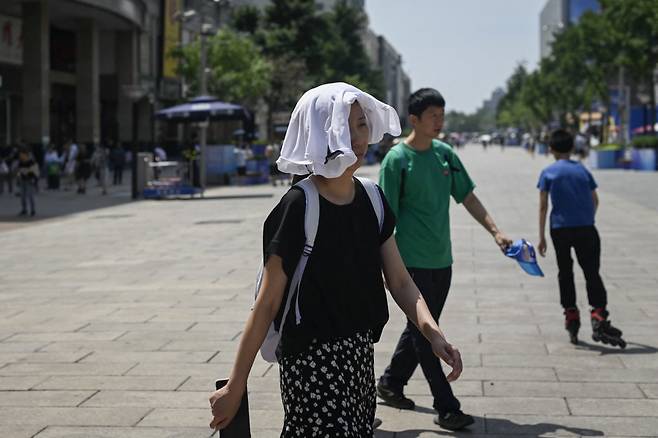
<point>83,168</point>
<point>99,162</point>
<point>71,156</point>
<point>8,156</point>
<point>28,175</point>
<point>54,163</point>
<point>118,162</point>
<point>419,176</point>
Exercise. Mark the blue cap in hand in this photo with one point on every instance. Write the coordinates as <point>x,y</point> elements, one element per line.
<point>524,253</point>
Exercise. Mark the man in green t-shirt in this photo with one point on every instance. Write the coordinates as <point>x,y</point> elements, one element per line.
<point>418,177</point>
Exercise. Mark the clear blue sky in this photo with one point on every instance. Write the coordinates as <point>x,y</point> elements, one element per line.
<point>463,48</point>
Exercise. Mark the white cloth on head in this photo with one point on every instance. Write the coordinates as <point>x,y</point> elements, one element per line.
<point>318,137</point>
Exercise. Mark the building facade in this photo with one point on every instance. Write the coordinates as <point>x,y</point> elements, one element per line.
<point>76,69</point>
<point>558,14</point>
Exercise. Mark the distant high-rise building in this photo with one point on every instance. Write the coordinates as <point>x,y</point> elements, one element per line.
<point>323,5</point>
<point>558,14</point>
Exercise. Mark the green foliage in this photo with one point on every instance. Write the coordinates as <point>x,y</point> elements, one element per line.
<point>278,54</point>
<point>609,147</point>
<point>246,19</point>
<point>237,71</point>
<point>645,142</point>
<point>481,120</point>
<point>293,28</point>
<point>585,58</point>
<point>345,55</point>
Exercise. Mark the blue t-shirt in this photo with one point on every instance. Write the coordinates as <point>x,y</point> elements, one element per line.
<point>570,186</point>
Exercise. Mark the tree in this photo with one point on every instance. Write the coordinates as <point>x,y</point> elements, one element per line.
<point>287,81</point>
<point>306,48</point>
<point>246,19</point>
<point>511,110</point>
<point>238,72</point>
<point>635,28</point>
<point>293,28</point>
<point>345,55</point>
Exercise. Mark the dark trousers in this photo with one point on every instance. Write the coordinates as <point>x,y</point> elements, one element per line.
<point>27,195</point>
<point>53,182</point>
<point>414,349</point>
<point>587,245</point>
<point>7,178</point>
<point>117,175</point>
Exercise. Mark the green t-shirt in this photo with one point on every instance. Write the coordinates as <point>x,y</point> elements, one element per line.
<point>423,210</point>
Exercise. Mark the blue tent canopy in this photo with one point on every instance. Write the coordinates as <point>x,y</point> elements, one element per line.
<point>204,108</point>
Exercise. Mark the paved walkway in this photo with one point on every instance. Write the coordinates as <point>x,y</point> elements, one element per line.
<point>115,322</point>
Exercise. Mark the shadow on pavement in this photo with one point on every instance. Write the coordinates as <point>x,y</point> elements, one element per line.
<point>51,205</point>
<point>496,426</point>
<point>57,204</point>
<point>220,197</point>
<point>631,348</point>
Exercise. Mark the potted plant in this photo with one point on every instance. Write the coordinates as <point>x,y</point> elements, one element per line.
<point>643,154</point>
<point>606,156</point>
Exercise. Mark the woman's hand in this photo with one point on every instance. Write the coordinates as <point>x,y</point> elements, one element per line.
<point>224,404</point>
<point>450,355</point>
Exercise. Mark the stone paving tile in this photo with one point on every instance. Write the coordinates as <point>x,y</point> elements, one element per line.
<point>20,431</point>
<point>649,389</point>
<point>607,375</point>
<point>19,383</point>
<point>613,407</point>
<point>69,369</point>
<point>65,336</point>
<point>43,398</point>
<point>210,371</point>
<point>25,416</point>
<point>510,360</point>
<point>54,357</point>
<point>505,405</point>
<point>561,389</point>
<point>148,399</point>
<point>112,383</point>
<point>123,432</point>
<point>150,356</point>
<point>193,417</point>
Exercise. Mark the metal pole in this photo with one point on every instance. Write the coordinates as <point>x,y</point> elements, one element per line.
<point>621,106</point>
<point>134,149</point>
<point>204,124</point>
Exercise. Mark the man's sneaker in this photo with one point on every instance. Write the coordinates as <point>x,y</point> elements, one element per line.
<point>394,399</point>
<point>454,420</point>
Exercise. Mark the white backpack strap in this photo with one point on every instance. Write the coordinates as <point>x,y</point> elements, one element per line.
<point>312,212</point>
<point>375,199</point>
<point>311,218</point>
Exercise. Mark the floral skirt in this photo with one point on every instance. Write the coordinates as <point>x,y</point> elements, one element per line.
<point>329,389</point>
